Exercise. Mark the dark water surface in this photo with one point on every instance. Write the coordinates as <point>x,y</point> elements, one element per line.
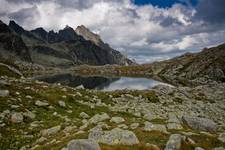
<point>102,83</point>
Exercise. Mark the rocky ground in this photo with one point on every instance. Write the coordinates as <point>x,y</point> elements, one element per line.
<point>36,115</point>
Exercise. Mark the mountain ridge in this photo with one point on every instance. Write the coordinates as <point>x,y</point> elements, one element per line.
<point>46,48</point>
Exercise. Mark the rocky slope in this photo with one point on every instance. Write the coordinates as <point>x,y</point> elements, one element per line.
<point>63,48</point>
<point>208,64</point>
<point>35,115</point>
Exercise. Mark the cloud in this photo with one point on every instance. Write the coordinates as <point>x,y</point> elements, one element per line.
<point>141,32</point>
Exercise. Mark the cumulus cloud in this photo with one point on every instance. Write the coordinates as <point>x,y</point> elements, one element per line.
<point>141,32</point>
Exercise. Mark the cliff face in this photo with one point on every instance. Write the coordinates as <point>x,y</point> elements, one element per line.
<point>63,48</point>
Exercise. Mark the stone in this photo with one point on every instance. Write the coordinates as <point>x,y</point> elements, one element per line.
<point>99,118</point>
<point>113,137</point>
<point>84,115</point>
<point>123,126</point>
<point>41,104</point>
<point>29,114</point>
<point>134,126</point>
<point>149,117</point>
<point>83,144</point>
<point>117,120</point>
<point>174,126</point>
<point>173,119</point>
<point>155,127</point>
<point>62,103</point>
<point>222,137</point>
<point>50,131</point>
<point>200,124</point>
<point>4,93</point>
<point>174,142</point>
<point>219,148</point>
<point>16,118</point>
<point>199,148</point>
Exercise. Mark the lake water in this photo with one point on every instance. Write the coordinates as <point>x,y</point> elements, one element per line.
<point>101,83</point>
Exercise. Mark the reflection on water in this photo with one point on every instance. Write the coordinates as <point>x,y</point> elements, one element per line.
<point>101,83</point>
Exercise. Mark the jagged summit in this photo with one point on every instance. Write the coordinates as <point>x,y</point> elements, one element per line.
<point>88,35</point>
<point>65,47</point>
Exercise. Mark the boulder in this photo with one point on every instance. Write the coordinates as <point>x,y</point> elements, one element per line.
<point>154,127</point>
<point>16,118</point>
<point>113,137</point>
<point>117,120</point>
<point>222,137</point>
<point>50,131</point>
<point>83,144</point>
<point>174,142</point>
<point>4,93</point>
<point>99,118</point>
<point>200,124</point>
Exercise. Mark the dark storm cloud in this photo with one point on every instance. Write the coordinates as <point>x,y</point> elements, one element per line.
<point>211,11</point>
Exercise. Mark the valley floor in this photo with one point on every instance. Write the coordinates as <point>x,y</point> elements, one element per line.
<point>36,115</point>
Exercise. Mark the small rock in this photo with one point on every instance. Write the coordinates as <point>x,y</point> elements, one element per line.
<point>222,137</point>
<point>40,103</point>
<point>174,142</point>
<point>4,93</point>
<point>29,114</point>
<point>117,120</point>
<point>83,144</point>
<point>149,117</point>
<point>154,127</point>
<point>84,115</point>
<point>16,118</point>
<point>199,148</point>
<point>99,118</point>
<point>51,131</point>
<point>123,126</point>
<point>134,125</point>
<point>219,148</point>
<point>174,126</point>
<point>62,103</point>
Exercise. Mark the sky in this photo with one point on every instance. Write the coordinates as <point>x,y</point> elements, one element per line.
<point>145,30</point>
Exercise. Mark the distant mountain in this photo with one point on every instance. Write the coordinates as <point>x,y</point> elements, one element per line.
<point>63,48</point>
<point>209,63</point>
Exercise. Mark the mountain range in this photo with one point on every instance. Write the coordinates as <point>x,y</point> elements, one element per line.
<point>67,47</point>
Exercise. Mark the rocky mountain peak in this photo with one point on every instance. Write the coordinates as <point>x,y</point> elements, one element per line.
<point>4,28</point>
<point>88,35</point>
<point>17,28</point>
<point>40,32</point>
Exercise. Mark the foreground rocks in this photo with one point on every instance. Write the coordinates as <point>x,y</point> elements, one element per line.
<point>174,142</point>
<point>82,144</point>
<point>113,137</point>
